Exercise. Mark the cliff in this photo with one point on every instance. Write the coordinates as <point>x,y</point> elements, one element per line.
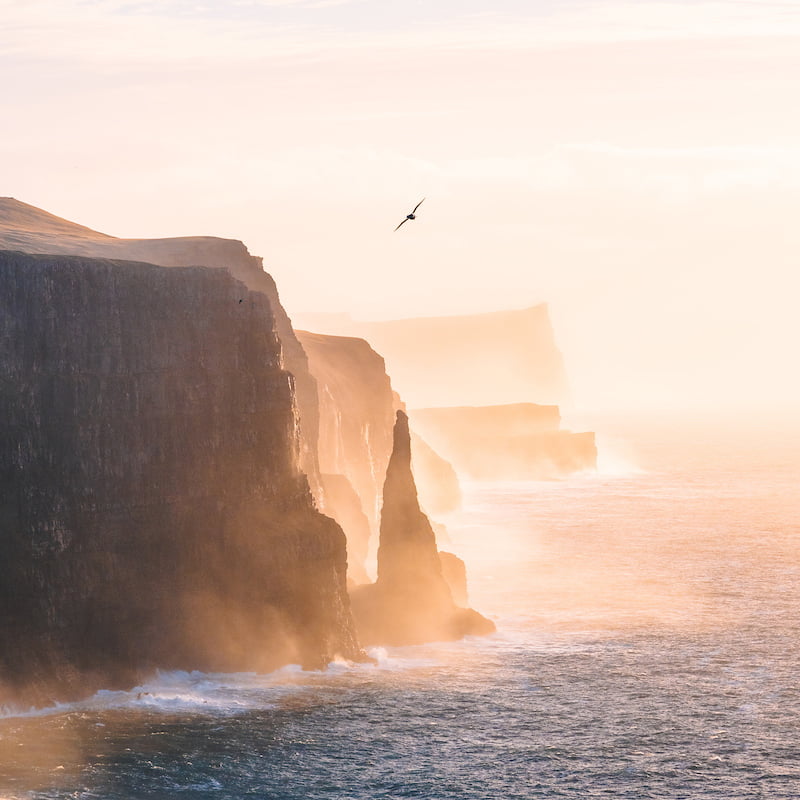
<point>437,483</point>
<point>153,509</point>
<point>356,417</point>
<point>341,502</point>
<point>521,441</point>
<point>410,602</point>
<point>29,229</point>
<point>477,359</point>
<point>454,571</point>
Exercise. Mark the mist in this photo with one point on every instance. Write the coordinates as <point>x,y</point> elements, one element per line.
<point>592,327</point>
<point>639,171</point>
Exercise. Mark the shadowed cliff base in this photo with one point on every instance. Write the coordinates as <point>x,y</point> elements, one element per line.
<point>153,513</point>
<point>521,441</point>
<point>410,603</point>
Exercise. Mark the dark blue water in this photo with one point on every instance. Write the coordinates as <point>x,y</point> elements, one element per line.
<point>648,647</point>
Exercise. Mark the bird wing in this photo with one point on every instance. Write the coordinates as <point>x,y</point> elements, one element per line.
<point>404,221</point>
<point>418,205</point>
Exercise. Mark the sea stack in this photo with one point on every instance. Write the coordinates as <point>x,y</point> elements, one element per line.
<point>410,602</point>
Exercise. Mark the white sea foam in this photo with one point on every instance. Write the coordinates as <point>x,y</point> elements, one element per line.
<point>223,693</point>
<point>176,691</point>
<point>12,711</point>
<point>396,659</point>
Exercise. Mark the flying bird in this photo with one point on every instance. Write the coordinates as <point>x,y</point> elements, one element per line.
<point>412,215</point>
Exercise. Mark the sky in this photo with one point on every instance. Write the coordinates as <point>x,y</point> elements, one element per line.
<point>635,164</point>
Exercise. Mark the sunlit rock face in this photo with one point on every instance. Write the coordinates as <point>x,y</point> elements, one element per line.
<point>410,602</point>
<point>356,418</point>
<point>454,571</point>
<point>153,509</point>
<point>437,483</point>
<point>31,230</point>
<point>521,441</point>
<point>341,502</point>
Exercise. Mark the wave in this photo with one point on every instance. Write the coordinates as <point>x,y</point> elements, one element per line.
<point>174,691</point>
<point>180,692</point>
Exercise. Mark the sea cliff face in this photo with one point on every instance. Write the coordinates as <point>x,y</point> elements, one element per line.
<point>31,230</point>
<point>411,601</point>
<point>153,506</point>
<point>437,482</point>
<point>356,418</point>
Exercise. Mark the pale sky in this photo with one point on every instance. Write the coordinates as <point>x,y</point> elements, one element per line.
<point>635,164</point>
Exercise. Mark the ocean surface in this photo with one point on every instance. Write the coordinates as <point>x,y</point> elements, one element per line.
<point>648,646</point>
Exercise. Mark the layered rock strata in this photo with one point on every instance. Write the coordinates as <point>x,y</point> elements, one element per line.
<point>410,602</point>
<point>153,508</point>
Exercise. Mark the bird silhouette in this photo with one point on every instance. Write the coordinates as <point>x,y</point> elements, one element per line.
<point>412,215</point>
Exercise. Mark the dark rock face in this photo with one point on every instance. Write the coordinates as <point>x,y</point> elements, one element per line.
<point>410,602</point>
<point>31,230</point>
<point>153,510</point>
<point>521,441</point>
<point>437,483</point>
<point>356,418</point>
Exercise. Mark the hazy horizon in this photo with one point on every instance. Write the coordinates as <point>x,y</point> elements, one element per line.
<point>634,165</point>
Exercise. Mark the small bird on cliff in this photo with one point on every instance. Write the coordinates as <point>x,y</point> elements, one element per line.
<point>412,215</point>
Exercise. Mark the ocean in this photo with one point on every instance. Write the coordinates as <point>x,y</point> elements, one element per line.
<point>648,646</point>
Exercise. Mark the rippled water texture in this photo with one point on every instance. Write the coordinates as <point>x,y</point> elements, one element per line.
<point>647,647</point>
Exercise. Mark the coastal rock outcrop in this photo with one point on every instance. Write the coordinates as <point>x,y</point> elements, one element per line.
<point>454,571</point>
<point>356,418</point>
<point>410,602</point>
<point>153,507</point>
<point>520,441</point>
<point>474,359</point>
<point>340,501</point>
<point>32,230</point>
<point>437,482</point>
